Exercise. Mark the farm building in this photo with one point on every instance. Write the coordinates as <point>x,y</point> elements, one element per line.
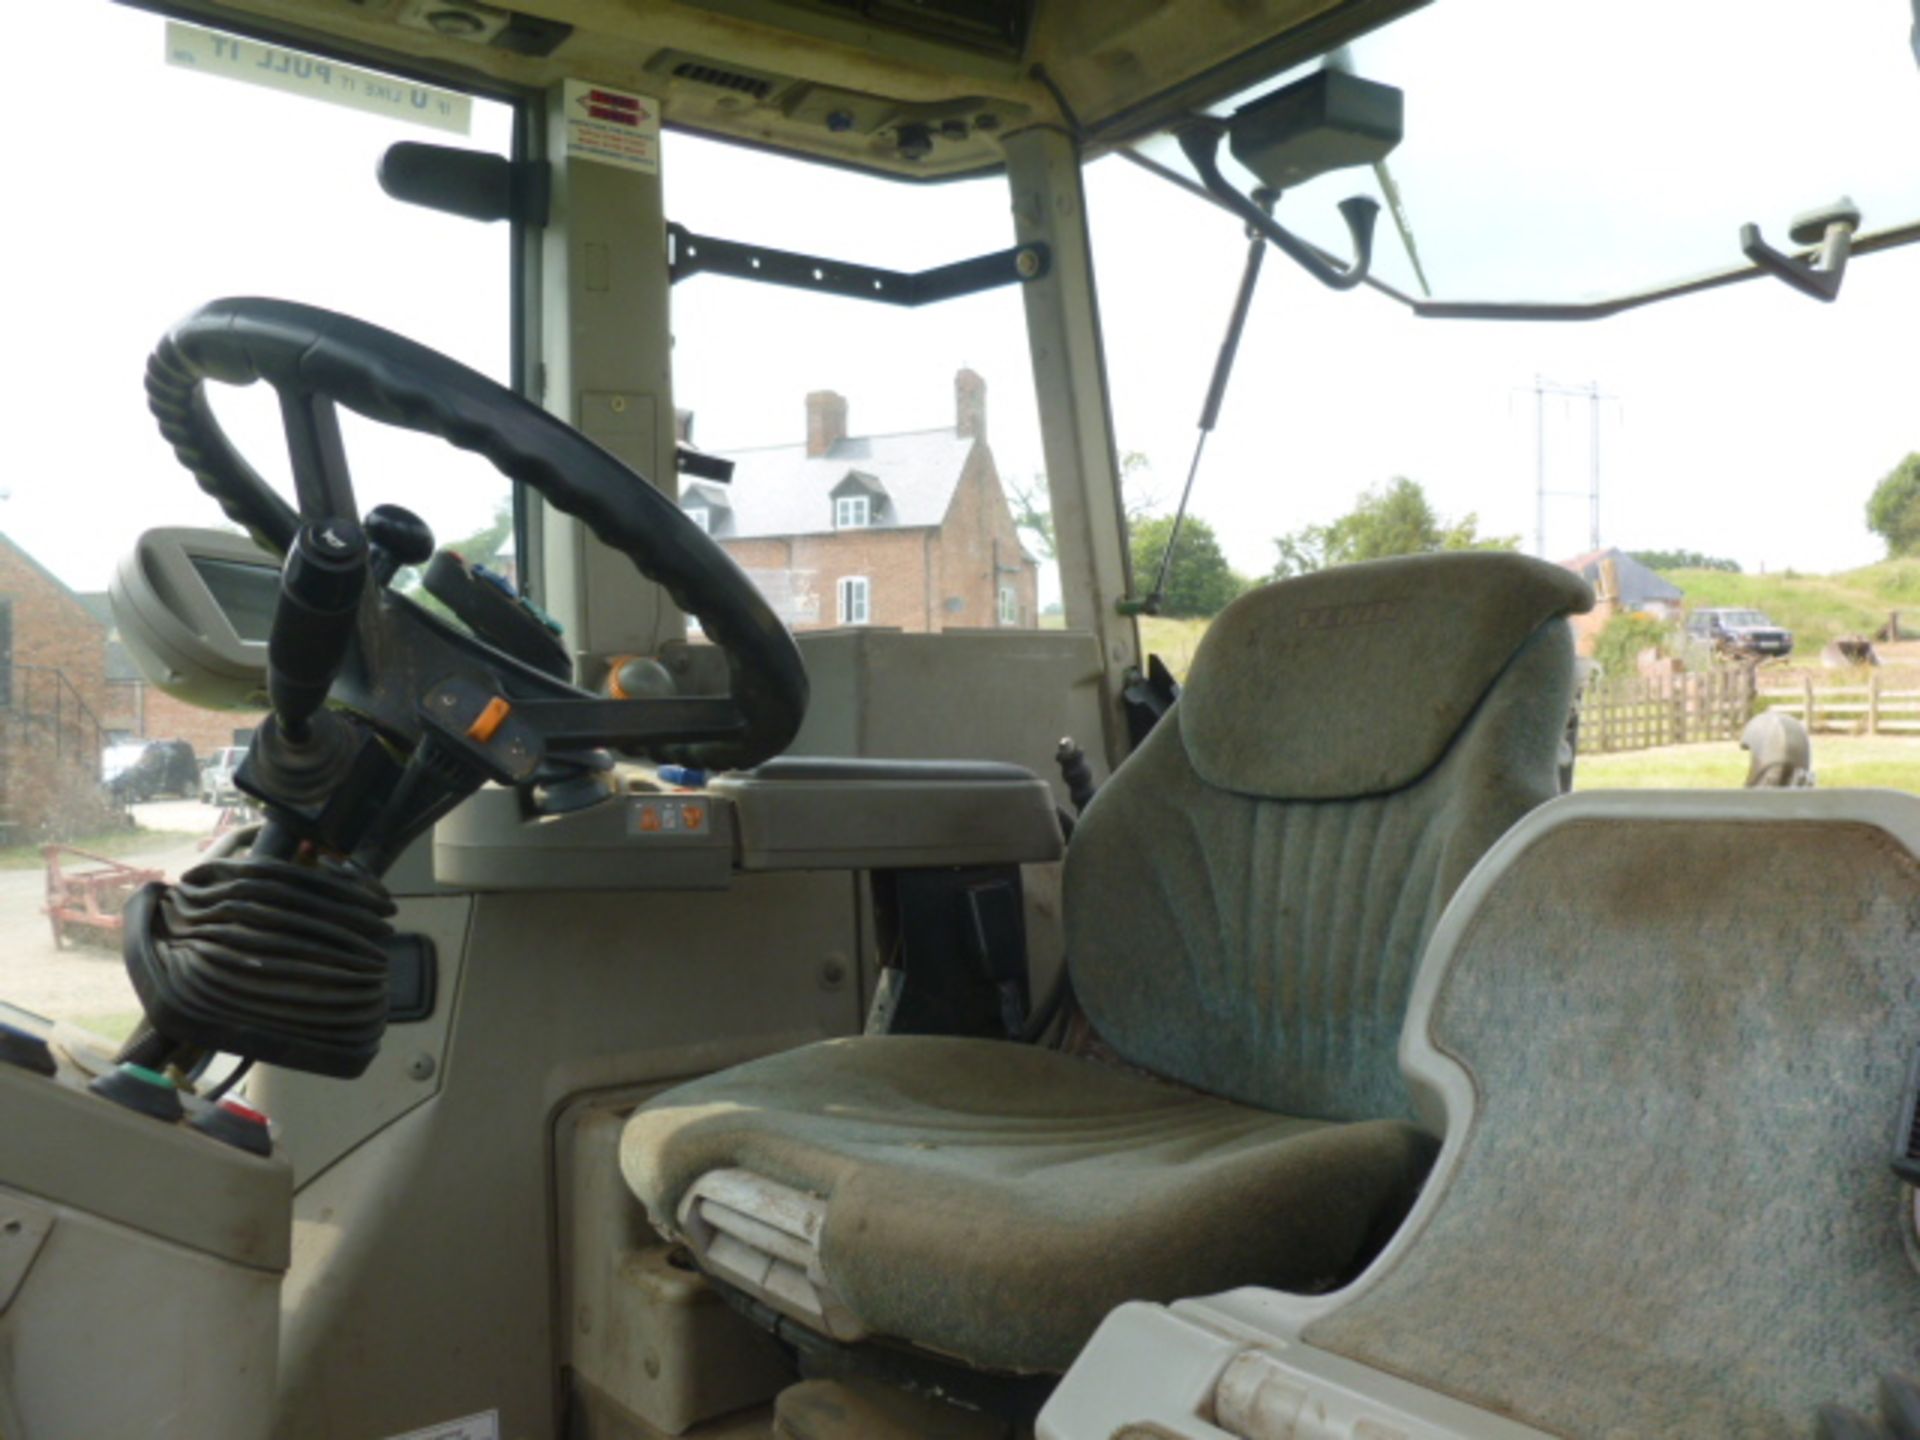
<point>1638,588</point>
<point>53,691</point>
<point>909,530</point>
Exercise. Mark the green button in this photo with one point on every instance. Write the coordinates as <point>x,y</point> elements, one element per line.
<point>152,1077</point>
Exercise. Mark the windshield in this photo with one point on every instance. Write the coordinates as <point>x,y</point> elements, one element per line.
<point>884,456</point>
<point>1563,152</point>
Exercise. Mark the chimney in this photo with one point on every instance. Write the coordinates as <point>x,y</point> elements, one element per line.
<point>969,405</point>
<point>826,421</point>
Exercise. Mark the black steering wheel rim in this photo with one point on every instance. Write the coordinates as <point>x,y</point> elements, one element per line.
<point>314,358</point>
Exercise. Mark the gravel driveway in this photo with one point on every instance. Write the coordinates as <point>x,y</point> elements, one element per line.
<point>86,981</point>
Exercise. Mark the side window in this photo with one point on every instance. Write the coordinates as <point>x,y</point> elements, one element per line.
<point>202,232</point>
<point>854,592</point>
<point>1009,605</point>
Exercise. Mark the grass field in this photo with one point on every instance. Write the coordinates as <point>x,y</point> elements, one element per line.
<point>110,843</point>
<point>1838,761</point>
<point>1815,607</point>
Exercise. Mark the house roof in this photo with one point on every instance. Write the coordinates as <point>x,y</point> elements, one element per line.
<point>53,579</point>
<point>782,490</point>
<point>1638,584</point>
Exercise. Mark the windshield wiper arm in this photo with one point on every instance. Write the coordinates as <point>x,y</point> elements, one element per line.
<point>1892,238</point>
<point>1201,141</point>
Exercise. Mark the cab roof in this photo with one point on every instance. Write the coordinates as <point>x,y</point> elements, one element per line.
<point>917,89</point>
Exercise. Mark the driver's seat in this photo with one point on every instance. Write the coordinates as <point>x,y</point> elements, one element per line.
<point>1245,902</point>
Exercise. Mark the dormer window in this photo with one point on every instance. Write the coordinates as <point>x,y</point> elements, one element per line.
<point>852,512</point>
<point>709,507</point>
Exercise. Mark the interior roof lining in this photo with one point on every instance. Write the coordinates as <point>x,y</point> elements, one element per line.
<point>1319,34</point>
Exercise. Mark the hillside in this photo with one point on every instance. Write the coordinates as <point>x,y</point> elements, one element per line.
<point>1815,607</point>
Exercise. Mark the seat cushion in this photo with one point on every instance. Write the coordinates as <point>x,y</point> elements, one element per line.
<point>993,1202</point>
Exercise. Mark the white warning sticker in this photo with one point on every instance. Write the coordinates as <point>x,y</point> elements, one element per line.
<point>474,1427</point>
<point>277,68</point>
<point>612,127</point>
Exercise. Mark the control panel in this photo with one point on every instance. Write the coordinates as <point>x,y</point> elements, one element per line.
<point>123,1197</point>
<point>77,1061</point>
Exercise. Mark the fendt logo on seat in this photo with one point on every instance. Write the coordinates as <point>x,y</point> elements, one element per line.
<point>1342,617</point>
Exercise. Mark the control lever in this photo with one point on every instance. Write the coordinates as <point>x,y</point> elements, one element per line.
<point>314,622</point>
<point>399,537</point>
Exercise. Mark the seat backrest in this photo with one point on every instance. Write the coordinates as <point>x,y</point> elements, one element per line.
<point>1248,894</point>
<point>1667,1036</point>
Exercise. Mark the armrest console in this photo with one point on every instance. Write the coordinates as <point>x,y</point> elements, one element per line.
<point>840,814</point>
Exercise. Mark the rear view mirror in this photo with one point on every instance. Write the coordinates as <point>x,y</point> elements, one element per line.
<point>1331,120</point>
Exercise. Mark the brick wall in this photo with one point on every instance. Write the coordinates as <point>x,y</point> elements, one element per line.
<point>147,712</point>
<point>980,552</point>
<point>49,729</point>
<point>894,563</point>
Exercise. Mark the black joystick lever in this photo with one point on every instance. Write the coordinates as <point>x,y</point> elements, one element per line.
<point>320,589</point>
<point>399,537</point>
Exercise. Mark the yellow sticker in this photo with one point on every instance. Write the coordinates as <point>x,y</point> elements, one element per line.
<point>297,73</point>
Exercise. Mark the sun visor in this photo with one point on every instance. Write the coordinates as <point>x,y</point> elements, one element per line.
<point>1355,680</point>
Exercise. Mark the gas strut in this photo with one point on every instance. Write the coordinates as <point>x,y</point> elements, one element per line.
<point>1216,394</point>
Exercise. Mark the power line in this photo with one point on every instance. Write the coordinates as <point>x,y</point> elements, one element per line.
<point>1593,395</point>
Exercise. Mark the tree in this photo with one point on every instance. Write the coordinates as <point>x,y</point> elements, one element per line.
<point>1684,560</point>
<point>1032,508</point>
<point>1200,582</point>
<point>1032,514</point>
<point>481,546</point>
<point>1394,519</point>
<point>1893,511</point>
<point>1617,651</point>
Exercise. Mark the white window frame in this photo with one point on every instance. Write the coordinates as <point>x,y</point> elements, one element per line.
<point>856,599</point>
<point>852,512</point>
<point>1009,605</point>
<point>702,516</point>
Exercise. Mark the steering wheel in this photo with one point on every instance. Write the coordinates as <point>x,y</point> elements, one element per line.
<point>316,359</point>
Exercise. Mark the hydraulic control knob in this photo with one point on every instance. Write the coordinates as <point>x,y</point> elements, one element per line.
<point>320,589</point>
<point>398,537</point>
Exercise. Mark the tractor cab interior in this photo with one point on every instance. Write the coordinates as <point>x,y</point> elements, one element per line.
<point>642,1007</point>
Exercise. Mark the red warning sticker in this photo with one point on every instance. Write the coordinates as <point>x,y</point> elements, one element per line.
<point>612,127</point>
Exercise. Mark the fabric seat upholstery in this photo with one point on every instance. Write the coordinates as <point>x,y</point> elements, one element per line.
<point>994,1201</point>
<point>1245,901</point>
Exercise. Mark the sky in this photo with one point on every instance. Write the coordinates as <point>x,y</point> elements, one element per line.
<point>1549,155</point>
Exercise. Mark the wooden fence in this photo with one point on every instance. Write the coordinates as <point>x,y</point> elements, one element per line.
<point>1638,713</point>
<point>1869,709</point>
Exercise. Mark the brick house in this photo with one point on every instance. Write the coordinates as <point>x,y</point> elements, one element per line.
<point>910,531</point>
<point>137,709</point>
<point>53,691</point>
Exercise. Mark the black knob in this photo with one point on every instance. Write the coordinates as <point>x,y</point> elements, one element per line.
<point>399,537</point>
<point>320,590</point>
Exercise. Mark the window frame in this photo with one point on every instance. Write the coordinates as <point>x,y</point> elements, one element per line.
<point>848,587</point>
<point>1009,608</point>
<point>701,515</point>
<point>845,506</point>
